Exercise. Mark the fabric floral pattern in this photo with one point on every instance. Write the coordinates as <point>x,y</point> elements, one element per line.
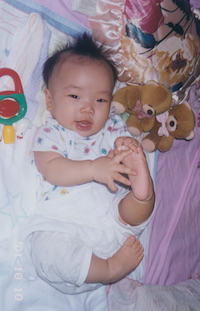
<point>176,65</point>
<point>151,40</point>
<point>147,15</point>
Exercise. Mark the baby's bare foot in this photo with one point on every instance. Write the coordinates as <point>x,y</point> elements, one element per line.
<point>141,183</point>
<point>126,259</point>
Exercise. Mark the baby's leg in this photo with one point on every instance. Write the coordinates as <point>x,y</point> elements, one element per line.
<point>113,269</point>
<point>137,205</point>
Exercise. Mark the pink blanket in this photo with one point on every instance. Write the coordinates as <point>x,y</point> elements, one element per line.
<point>174,248</point>
<point>129,295</point>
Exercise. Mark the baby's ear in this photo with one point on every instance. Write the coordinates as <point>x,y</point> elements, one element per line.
<point>48,98</point>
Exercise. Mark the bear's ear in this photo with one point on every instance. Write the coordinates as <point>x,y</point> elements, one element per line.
<point>191,135</point>
<point>152,82</point>
<point>187,105</point>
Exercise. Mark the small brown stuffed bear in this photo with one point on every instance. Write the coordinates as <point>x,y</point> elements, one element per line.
<point>142,103</point>
<point>178,123</point>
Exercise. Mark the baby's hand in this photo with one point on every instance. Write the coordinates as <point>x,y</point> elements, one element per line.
<point>126,143</point>
<point>108,169</point>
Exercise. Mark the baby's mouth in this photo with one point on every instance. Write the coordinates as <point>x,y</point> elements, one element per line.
<point>83,125</point>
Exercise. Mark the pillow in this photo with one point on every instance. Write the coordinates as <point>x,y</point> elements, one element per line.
<point>151,40</point>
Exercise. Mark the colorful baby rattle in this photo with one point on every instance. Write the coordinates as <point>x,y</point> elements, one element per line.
<point>13,105</point>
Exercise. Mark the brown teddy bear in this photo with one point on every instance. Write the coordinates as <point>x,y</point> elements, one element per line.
<point>178,123</point>
<point>142,103</point>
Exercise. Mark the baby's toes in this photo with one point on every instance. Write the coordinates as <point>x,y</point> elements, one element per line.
<point>130,241</point>
<point>138,246</point>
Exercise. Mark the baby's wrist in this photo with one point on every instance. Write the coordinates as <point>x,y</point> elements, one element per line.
<point>92,169</point>
<point>95,169</point>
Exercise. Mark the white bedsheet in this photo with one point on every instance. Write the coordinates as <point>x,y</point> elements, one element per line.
<point>25,49</point>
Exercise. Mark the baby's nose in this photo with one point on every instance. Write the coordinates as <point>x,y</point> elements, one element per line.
<point>87,108</point>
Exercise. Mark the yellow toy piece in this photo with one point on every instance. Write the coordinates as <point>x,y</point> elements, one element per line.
<point>8,134</point>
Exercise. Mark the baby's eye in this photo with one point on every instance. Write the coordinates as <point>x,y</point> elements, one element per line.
<point>73,96</point>
<point>100,100</point>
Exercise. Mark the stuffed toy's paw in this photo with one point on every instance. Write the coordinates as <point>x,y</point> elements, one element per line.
<point>177,123</point>
<point>142,103</point>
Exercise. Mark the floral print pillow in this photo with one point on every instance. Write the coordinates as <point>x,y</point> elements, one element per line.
<point>151,39</point>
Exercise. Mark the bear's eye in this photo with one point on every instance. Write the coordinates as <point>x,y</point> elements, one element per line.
<point>148,110</point>
<point>171,123</point>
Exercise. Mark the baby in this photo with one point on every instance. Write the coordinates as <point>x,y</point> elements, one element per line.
<point>94,178</point>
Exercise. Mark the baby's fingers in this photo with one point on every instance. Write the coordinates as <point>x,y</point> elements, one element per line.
<point>119,143</point>
<point>111,153</point>
<point>120,156</point>
<point>122,179</point>
<point>126,170</point>
<point>112,186</point>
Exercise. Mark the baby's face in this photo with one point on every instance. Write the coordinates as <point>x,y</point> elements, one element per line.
<point>79,95</point>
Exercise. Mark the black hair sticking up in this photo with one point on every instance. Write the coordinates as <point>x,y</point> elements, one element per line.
<point>85,47</point>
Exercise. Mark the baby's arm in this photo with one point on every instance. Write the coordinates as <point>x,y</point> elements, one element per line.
<point>138,204</point>
<point>61,171</point>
